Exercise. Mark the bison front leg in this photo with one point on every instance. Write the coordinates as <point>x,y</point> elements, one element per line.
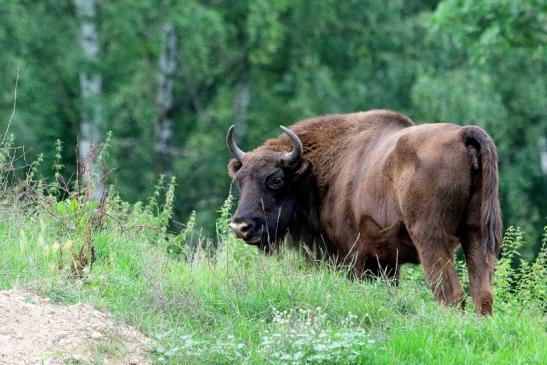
<point>377,250</point>
<point>376,268</point>
<point>437,260</point>
<point>367,267</point>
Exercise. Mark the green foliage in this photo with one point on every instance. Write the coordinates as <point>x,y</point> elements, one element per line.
<point>518,281</point>
<point>167,209</point>
<point>265,29</point>
<point>57,165</point>
<point>303,336</point>
<point>104,149</point>
<point>189,229</point>
<point>33,167</point>
<point>505,279</point>
<point>481,62</point>
<point>495,24</point>
<point>223,222</point>
<point>7,156</point>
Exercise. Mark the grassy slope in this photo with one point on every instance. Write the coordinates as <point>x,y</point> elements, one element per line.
<point>240,307</point>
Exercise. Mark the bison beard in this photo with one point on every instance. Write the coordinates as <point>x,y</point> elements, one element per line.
<point>375,191</point>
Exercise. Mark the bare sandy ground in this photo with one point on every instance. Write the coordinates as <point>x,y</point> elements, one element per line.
<point>35,331</point>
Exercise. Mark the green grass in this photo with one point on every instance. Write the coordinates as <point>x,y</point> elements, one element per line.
<point>233,305</point>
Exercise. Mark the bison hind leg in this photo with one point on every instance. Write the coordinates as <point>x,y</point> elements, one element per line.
<point>437,260</point>
<point>480,264</point>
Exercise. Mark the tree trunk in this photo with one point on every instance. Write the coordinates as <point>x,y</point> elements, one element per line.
<point>91,89</point>
<point>242,100</point>
<point>164,101</point>
<point>543,154</point>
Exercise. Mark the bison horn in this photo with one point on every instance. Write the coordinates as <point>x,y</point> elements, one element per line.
<point>236,151</point>
<point>296,153</point>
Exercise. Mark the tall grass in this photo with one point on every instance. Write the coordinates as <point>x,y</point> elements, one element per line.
<point>222,302</point>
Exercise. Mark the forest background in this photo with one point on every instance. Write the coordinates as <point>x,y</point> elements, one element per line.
<point>165,79</point>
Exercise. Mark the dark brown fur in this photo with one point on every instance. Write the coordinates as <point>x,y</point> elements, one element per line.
<point>384,192</point>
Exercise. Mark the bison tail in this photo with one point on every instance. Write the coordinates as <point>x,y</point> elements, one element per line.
<point>484,157</point>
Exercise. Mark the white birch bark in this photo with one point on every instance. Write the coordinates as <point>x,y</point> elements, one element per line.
<point>242,100</point>
<point>164,99</point>
<point>91,89</point>
<point>543,154</point>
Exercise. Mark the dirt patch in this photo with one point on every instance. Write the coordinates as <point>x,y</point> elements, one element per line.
<point>35,331</point>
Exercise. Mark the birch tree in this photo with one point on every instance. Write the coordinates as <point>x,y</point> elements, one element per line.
<point>164,100</point>
<point>242,100</point>
<point>543,154</point>
<point>91,89</point>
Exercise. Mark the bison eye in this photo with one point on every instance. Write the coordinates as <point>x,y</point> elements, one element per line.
<point>275,183</point>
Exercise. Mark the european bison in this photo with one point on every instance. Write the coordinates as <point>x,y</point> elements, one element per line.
<point>374,190</point>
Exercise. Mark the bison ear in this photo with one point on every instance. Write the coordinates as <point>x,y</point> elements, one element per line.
<point>303,168</point>
<point>233,167</point>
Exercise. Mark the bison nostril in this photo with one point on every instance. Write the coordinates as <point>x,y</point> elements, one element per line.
<point>240,228</point>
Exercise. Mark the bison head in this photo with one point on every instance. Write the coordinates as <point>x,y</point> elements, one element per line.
<point>272,184</point>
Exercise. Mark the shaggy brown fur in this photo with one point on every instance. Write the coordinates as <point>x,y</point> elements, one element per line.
<point>378,191</point>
